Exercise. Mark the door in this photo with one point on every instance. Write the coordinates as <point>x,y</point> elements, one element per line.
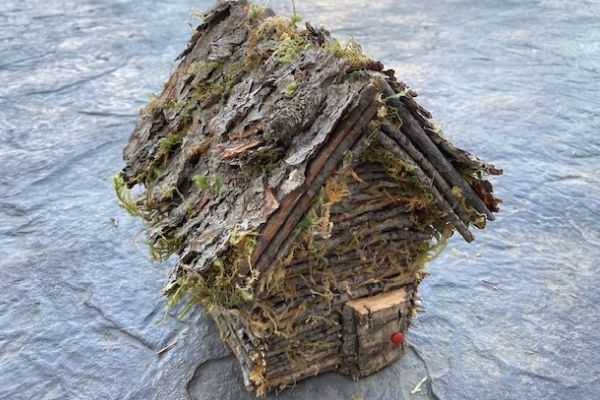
<point>373,332</point>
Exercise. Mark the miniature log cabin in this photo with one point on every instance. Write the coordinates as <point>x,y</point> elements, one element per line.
<point>303,190</point>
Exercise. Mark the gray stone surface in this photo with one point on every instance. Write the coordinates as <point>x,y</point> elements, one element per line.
<point>515,82</point>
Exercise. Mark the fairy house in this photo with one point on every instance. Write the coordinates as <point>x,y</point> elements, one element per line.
<point>303,190</point>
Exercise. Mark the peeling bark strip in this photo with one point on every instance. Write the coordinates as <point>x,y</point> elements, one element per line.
<point>303,190</point>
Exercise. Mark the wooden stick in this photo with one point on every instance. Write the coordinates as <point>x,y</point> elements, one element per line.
<point>367,167</point>
<point>281,223</point>
<point>352,210</point>
<point>283,357</point>
<point>319,171</point>
<point>391,145</point>
<point>284,367</point>
<point>439,182</point>
<point>458,155</point>
<point>342,224</point>
<point>167,348</point>
<point>451,151</point>
<point>305,330</point>
<point>285,248</point>
<point>398,237</point>
<point>374,176</point>
<point>412,129</point>
<point>360,290</point>
<point>315,273</point>
<point>233,341</point>
<point>317,335</point>
<point>321,366</point>
<point>399,222</point>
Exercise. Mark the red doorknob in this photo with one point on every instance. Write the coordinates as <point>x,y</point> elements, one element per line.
<point>397,338</point>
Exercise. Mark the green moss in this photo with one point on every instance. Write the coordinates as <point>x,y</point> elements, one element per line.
<point>155,100</point>
<point>231,78</point>
<point>291,43</point>
<point>217,185</point>
<point>127,202</point>
<point>206,183</point>
<point>197,13</point>
<point>199,148</point>
<point>169,142</point>
<point>291,88</point>
<point>441,232</point>
<point>398,95</point>
<point>256,11</point>
<point>208,288</point>
<point>220,88</point>
<point>382,112</point>
<point>265,161</point>
<point>164,246</point>
<point>357,397</point>
<point>205,91</point>
<point>220,285</point>
<point>289,48</point>
<point>356,75</point>
<point>166,148</point>
<point>396,169</point>
<point>155,170</point>
<point>252,59</point>
<point>349,50</point>
<point>198,66</point>
<point>294,19</point>
<point>303,223</point>
<point>276,24</point>
<point>172,103</point>
<point>202,182</point>
<point>152,98</point>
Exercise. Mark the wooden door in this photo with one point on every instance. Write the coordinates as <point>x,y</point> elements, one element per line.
<point>371,326</point>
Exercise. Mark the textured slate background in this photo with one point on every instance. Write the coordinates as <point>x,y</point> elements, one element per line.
<point>514,82</point>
